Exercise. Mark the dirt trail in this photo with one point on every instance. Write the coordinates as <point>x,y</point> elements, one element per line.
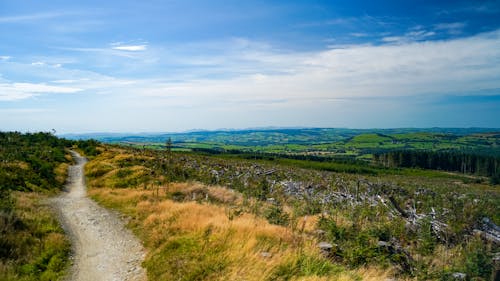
<point>103,249</point>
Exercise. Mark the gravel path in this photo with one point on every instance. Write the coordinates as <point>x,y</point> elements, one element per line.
<point>102,248</point>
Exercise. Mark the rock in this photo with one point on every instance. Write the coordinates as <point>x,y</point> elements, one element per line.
<point>458,276</point>
<point>320,232</point>
<point>383,244</point>
<point>266,254</point>
<point>326,248</point>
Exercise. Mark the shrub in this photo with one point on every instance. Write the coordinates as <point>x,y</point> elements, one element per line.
<point>275,215</point>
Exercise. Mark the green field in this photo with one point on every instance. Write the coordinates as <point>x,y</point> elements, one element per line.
<point>339,143</point>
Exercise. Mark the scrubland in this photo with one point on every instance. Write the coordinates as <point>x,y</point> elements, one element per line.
<point>209,218</point>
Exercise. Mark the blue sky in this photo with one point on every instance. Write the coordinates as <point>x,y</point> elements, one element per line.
<point>143,66</point>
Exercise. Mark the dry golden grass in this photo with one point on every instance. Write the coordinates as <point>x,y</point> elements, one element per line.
<point>253,248</point>
<point>197,232</point>
<point>248,236</point>
<point>61,172</point>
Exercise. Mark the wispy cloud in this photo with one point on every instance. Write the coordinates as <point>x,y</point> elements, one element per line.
<point>417,33</point>
<point>360,21</point>
<point>4,58</point>
<point>38,63</point>
<point>359,34</point>
<point>18,91</point>
<point>478,7</point>
<point>452,28</point>
<point>412,68</point>
<point>29,18</point>
<point>44,64</point>
<point>132,48</point>
<point>242,75</point>
<point>404,69</point>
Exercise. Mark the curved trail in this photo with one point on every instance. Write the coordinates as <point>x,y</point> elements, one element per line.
<point>103,249</point>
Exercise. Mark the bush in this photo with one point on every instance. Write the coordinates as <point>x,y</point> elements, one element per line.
<point>478,263</point>
<point>276,215</point>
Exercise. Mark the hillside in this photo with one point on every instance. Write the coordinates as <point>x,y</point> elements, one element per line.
<point>33,167</point>
<point>408,224</point>
<point>350,143</point>
<point>219,216</point>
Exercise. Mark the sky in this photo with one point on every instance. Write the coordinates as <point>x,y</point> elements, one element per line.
<point>168,66</point>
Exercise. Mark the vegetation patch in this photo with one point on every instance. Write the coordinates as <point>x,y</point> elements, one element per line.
<point>33,245</point>
<point>32,167</point>
<point>398,221</point>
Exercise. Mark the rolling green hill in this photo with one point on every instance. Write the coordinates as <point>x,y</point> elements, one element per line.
<point>353,143</point>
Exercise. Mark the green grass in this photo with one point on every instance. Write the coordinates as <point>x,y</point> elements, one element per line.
<point>358,144</point>
<point>33,244</point>
<point>303,265</point>
<point>180,259</point>
<point>356,225</point>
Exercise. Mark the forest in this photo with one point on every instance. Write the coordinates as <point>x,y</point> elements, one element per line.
<point>453,161</point>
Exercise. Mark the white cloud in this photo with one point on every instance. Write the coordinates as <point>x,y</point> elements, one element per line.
<point>28,18</point>
<point>403,70</point>
<point>41,63</point>
<point>64,81</point>
<point>38,63</point>
<point>255,81</point>
<point>4,58</point>
<point>246,70</point>
<point>452,28</point>
<point>359,34</point>
<point>131,48</point>
<point>19,91</point>
<point>414,34</point>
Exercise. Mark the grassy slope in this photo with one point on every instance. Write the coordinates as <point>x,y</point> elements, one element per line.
<point>34,246</point>
<point>33,167</point>
<point>159,209</point>
<point>197,232</point>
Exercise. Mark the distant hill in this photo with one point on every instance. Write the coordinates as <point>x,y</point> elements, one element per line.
<point>268,136</point>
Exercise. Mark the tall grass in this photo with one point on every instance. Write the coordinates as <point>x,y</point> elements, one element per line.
<point>190,240</point>
<point>33,245</point>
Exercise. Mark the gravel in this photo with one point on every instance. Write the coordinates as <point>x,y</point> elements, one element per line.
<point>103,249</point>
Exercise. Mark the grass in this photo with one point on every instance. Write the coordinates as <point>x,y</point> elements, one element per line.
<point>33,242</point>
<point>243,202</point>
<point>202,239</point>
<point>327,142</point>
<point>33,245</point>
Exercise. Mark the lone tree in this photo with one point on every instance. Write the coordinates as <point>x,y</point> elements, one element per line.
<point>168,145</point>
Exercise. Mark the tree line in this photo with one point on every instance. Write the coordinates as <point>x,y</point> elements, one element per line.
<point>453,161</point>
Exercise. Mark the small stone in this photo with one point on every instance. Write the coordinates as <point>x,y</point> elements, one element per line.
<point>266,254</point>
<point>383,244</point>
<point>320,232</point>
<point>325,246</point>
<point>458,276</point>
